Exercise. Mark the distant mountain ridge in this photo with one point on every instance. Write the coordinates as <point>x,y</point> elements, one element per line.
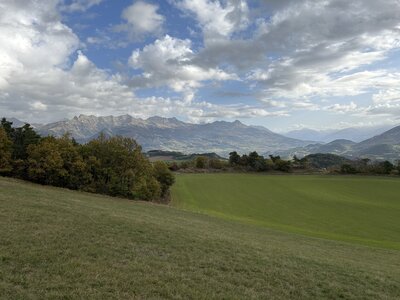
<point>385,146</point>
<point>171,134</point>
<point>355,134</point>
<point>221,137</point>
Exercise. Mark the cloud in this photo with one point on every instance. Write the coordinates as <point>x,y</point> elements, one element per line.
<point>389,96</point>
<point>32,38</point>
<point>61,81</point>
<point>79,5</point>
<point>168,62</point>
<point>342,108</point>
<point>301,49</point>
<point>320,42</point>
<point>141,19</point>
<point>217,19</point>
<point>39,78</point>
<point>293,55</point>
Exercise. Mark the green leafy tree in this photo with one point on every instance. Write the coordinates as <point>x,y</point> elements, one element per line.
<point>164,176</point>
<point>387,167</point>
<point>283,165</point>
<point>5,153</point>
<point>234,158</point>
<point>244,160</point>
<point>201,162</point>
<point>119,168</point>
<point>57,161</point>
<point>348,169</point>
<point>274,158</point>
<point>22,138</point>
<point>252,159</point>
<point>7,126</point>
<point>215,163</point>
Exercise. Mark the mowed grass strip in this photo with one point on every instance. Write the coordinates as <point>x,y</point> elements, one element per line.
<point>349,208</point>
<point>57,243</point>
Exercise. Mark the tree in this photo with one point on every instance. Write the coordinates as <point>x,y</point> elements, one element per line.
<point>252,159</point>
<point>164,176</point>
<point>244,160</point>
<point>274,158</point>
<point>5,152</point>
<point>119,168</point>
<point>348,169</point>
<point>282,165</point>
<point>7,126</point>
<point>201,162</point>
<point>22,138</point>
<point>387,167</point>
<point>57,161</point>
<point>234,158</point>
<point>215,163</point>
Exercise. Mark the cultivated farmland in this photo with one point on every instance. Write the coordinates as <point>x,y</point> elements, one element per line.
<point>363,210</point>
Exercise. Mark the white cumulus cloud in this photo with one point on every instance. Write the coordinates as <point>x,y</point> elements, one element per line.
<point>216,18</point>
<point>141,19</point>
<point>168,62</point>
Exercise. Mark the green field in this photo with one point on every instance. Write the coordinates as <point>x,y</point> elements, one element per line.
<point>61,244</point>
<point>364,210</point>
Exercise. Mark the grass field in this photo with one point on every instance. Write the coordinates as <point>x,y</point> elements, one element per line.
<point>354,209</point>
<point>61,244</point>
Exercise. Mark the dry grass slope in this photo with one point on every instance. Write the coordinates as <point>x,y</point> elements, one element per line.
<point>57,243</point>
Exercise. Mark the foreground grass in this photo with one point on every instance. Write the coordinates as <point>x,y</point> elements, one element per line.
<point>355,209</point>
<point>56,243</point>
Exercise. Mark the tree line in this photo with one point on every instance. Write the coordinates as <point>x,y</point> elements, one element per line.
<point>113,166</point>
<point>253,162</point>
<point>366,166</point>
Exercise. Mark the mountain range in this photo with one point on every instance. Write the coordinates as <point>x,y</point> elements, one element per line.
<point>385,146</point>
<point>170,134</point>
<point>221,137</point>
<point>355,134</point>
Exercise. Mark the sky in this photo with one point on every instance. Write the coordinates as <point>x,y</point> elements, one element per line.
<point>286,65</point>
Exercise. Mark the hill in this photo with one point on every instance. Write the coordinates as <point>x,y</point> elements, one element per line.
<point>170,134</point>
<point>325,160</point>
<point>338,147</point>
<point>58,243</point>
<point>390,137</point>
<point>355,134</point>
<point>18,123</point>
<point>385,146</point>
<point>154,155</point>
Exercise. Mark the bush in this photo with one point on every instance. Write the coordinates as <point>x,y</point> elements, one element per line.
<point>348,169</point>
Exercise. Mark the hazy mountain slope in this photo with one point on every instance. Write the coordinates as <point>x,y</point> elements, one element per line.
<point>338,147</point>
<point>353,134</point>
<point>385,146</point>
<point>307,134</point>
<point>171,134</point>
<point>356,134</point>
<point>390,137</point>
